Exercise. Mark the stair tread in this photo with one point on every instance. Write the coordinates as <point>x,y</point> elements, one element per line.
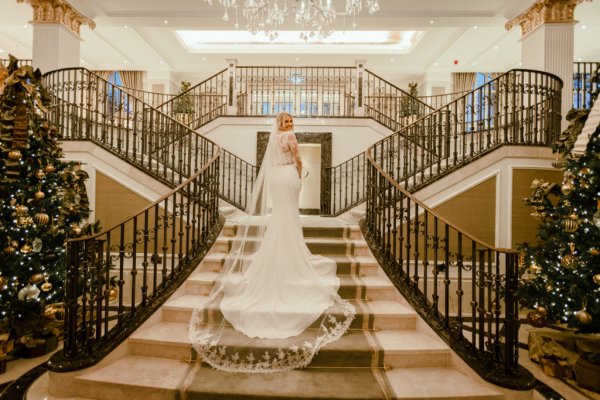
<point>363,260</point>
<point>148,372</point>
<point>206,277</point>
<point>403,341</point>
<point>308,240</point>
<point>392,341</point>
<point>442,383</point>
<point>382,307</point>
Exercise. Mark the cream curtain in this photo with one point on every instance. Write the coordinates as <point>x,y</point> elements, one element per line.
<point>103,74</point>
<point>463,81</point>
<point>132,79</point>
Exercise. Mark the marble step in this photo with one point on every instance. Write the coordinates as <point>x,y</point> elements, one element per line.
<point>351,287</point>
<point>318,245</point>
<point>401,348</point>
<point>146,378</point>
<point>376,314</point>
<point>346,264</point>
<point>346,232</point>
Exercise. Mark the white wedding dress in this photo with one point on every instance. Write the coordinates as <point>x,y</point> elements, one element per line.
<point>274,304</point>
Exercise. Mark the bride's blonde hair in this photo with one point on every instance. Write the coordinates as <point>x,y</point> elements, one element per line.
<point>279,118</point>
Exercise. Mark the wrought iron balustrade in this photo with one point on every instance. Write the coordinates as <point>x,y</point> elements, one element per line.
<point>390,105</point>
<point>300,91</point>
<point>520,107</point>
<point>118,278</point>
<point>465,289</point>
<point>200,104</point>
<point>86,107</point>
<point>22,61</point>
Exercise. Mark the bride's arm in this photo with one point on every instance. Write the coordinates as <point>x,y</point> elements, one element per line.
<point>293,143</point>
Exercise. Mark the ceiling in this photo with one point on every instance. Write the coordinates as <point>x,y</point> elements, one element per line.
<point>458,35</point>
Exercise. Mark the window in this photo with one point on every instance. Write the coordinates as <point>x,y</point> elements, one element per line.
<point>331,102</point>
<point>260,103</point>
<point>308,102</point>
<point>117,100</point>
<point>283,101</point>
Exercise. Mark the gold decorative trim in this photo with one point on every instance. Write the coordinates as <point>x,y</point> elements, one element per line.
<point>58,11</point>
<point>544,11</point>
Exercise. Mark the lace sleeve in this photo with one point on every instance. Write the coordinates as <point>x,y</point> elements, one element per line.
<point>293,143</point>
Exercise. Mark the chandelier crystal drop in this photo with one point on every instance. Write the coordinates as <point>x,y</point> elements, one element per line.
<point>314,17</point>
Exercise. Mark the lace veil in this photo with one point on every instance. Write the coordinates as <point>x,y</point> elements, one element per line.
<point>214,338</point>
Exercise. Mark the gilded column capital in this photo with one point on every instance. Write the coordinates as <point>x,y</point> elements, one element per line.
<point>58,11</point>
<point>544,11</point>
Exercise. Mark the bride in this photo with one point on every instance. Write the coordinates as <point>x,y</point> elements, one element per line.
<point>273,304</point>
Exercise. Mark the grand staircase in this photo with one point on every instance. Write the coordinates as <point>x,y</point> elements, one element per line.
<point>388,353</point>
<point>391,352</point>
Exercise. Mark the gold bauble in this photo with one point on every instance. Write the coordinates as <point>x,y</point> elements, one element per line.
<point>535,268</point>
<point>3,282</point>
<point>46,286</point>
<point>49,168</point>
<point>26,248</point>
<point>584,317</point>
<point>15,155</point>
<point>594,251</point>
<point>571,225</point>
<point>8,250</point>
<point>584,185</point>
<point>112,294</point>
<point>567,261</point>
<point>37,278</point>
<point>40,174</point>
<point>21,209</point>
<point>558,163</point>
<point>40,195</point>
<point>597,279</point>
<point>41,218</point>
<point>567,188</point>
<point>584,171</point>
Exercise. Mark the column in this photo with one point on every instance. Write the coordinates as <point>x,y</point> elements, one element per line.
<point>359,91</point>
<point>56,39</point>
<point>547,42</point>
<point>231,86</point>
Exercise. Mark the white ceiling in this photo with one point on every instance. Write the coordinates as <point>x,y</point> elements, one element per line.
<point>132,34</point>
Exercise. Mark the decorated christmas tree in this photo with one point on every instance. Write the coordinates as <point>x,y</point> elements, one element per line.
<point>43,202</point>
<point>560,275</point>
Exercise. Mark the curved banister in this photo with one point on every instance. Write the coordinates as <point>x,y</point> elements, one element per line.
<point>117,278</point>
<point>474,305</point>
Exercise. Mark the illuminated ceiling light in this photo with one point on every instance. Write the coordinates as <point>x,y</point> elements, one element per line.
<point>314,17</point>
<point>583,27</point>
<point>475,27</point>
<point>432,22</point>
<point>166,22</point>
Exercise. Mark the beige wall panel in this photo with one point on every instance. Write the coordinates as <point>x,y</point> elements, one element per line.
<point>473,211</point>
<point>524,226</point>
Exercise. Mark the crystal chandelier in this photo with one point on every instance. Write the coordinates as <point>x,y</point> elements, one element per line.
<point>314,17</point>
